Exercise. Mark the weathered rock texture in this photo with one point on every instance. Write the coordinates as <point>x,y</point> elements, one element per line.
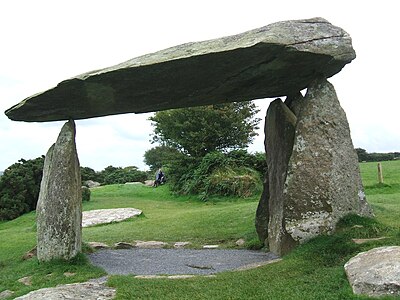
<point>314,178</point>
<point>104,216</point>
<point>272,61</point>
<point>280,125</point>
<point>59,208</point>
<point>90,290</point>
<point>375,272</point>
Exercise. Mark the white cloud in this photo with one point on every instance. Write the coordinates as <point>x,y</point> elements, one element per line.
<point>44,42</point>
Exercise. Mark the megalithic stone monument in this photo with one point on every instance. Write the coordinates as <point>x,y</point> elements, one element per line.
<point>313,177</point>
<point>59,208</point>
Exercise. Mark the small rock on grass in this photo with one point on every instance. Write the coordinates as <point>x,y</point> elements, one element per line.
<point>123,245</point>
<point>210,246</point>
<point>150,244</point>
<point>26,280</point>
<point>240,242</point>
<point>98,245</point>
<point>179,245</point>
<point>6,294</point>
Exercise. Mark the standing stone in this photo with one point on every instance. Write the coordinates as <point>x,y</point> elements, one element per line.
<point>59,208</point>
<point>323,182</point>
<point>262,213</point>
<point>279,136</point>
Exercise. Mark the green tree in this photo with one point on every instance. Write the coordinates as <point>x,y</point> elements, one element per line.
<point>88,174</point>
<point>114,175</point>
<point>161,157</point>
<point>19,188</point>
<point>200,130</point>
<point>362,154</point>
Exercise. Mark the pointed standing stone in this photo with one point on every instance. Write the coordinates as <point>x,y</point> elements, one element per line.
<point>323,182</point>
<point>280,125</point>
<point>59,208</point>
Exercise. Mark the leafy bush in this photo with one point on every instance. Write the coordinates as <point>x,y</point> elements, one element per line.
<point>89,174</point>
<point>123,175</point>
<point>217,174</point>
<point>226,181</point>
<point>86,193</point>
<point>19,188</point>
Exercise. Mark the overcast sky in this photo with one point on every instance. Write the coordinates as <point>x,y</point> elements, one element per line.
<point>45,42</point>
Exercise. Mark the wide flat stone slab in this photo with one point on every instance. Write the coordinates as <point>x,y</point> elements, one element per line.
<point>177,261</point>
<point>91,290</point>
<point>104,216</point>
<point>271,61</point>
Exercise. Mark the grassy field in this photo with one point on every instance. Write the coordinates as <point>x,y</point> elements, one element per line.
<point>312,271</point>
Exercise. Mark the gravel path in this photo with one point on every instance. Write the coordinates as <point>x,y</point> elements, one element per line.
<point>176,261</point>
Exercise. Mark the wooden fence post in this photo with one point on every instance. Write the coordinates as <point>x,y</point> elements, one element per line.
<point>380,174</point>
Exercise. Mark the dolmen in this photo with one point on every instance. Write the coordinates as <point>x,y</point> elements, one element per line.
<point>313,177</point>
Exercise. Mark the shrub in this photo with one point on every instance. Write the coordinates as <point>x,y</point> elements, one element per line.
<point>217,174</point>
<point>19,188</point>
<point>85,193</point>
<point>128,174</point>
<point>89,174</point>
<point>226,181</point>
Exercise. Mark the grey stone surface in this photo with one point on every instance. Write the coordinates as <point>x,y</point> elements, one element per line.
<point>91,183</point>
<point>280,125</point>
<point>176,261</point>
<point>59,208</point>
<point>271,61</point>
<point>375,272</point>
<point>87,290</point>
<point>180,245</point>
<point>150,244</point>
<point>26,280</point>
<point>98,245</point>
<point>323,182</point>
<point>262,212</point>
<point>123,245</point>
<point>104,216</point>
<point>6,294</point>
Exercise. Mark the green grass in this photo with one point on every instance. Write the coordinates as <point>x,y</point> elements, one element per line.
<point>170,218</point>
<point>385,199</point>
<point>312,271</point>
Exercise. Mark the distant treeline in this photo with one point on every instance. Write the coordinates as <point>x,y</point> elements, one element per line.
<point>363,155</point>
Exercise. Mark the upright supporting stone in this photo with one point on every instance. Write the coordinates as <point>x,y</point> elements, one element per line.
<point>59,208</point>
<point>280,125</point>
<point>314,177</point>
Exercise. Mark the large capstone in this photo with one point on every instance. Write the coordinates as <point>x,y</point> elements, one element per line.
<point>314,178</point>
<point>59,208</point>
<point>271,61</point>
